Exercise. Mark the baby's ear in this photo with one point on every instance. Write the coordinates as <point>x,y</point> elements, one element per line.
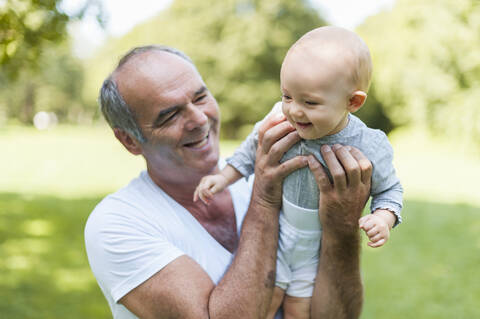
<point>357,99</point>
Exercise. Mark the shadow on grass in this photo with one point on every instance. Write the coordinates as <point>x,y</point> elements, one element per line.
<point>428,269</point>
<point>44,272</point>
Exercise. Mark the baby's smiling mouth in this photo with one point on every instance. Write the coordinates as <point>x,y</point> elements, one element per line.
<point>303,125</point>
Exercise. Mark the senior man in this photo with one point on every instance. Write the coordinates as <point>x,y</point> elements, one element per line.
<point>157,254</point>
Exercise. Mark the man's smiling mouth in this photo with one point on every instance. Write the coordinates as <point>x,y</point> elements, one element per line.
<point>198,144</point>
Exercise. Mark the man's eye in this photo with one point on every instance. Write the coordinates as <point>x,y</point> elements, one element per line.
<point>200,98</point>
<point>168,118</point>
<point>171,116</point>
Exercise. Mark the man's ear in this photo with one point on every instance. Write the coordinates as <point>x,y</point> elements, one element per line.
<point>130,143</point>
<point>357,99</point>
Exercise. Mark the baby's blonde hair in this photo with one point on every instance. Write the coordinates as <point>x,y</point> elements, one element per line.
<point>341,43</point>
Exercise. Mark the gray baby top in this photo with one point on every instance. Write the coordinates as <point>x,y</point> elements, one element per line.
<point>300,187</point>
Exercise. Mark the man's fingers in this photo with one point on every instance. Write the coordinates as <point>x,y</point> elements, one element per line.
<point>293,164</point>
<point>274,135</point>
<point>336,169</point>
<point>364,164</point>
<point>349,163</point>
<point>281,146</point>
<point>319,173</point>
<point>269,122</point>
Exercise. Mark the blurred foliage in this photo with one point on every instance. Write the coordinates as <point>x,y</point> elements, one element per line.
<point>426,73</point>
<point>427,65</point>
<point>38,71</point>
<point>237,45</point>
<point>30,26</point>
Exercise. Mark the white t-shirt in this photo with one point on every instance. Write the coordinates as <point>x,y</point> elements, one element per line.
<point>135,232</point>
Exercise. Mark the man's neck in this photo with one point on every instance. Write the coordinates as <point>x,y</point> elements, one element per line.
<point>218,218</point>
<point>180,186</point>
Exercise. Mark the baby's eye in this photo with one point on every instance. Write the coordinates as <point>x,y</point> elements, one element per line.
<point>286,97</point>
<point>311,103</point>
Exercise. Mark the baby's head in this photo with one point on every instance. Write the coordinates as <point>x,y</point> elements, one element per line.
<point>324,76</point>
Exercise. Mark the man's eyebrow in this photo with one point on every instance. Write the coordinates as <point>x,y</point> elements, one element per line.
<point>200,90</point>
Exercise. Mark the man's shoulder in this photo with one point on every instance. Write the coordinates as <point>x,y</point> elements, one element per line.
<point>132,194</point>
<point>123,204</point>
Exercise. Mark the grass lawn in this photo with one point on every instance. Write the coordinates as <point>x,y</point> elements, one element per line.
<point>53,179</point>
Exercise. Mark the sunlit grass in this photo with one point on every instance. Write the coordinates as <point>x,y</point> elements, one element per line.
<point>51,180</point>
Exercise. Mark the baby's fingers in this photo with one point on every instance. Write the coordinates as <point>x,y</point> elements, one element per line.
<point>377,243</point>
<point>372,232</point>
<point>205,196</point>
<point>376,237</point>
<point>368,224</point>
<point>214,189</point>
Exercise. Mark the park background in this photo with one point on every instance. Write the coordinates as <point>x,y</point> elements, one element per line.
<point>59,158</point>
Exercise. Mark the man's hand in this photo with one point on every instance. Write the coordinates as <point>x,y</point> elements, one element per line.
<point>341,202</point>
<point>275,137</point>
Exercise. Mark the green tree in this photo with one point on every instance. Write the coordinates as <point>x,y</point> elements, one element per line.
<point>30,26</point>
<point>238,46</point>
<point>427,65</point>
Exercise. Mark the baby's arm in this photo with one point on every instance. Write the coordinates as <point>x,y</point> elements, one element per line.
<point>387,193</point>
<point>212,184</point>
<point>377,226</point>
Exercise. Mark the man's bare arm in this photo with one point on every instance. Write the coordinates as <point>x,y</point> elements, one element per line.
<point>338,289</point>
<point>182,289</point>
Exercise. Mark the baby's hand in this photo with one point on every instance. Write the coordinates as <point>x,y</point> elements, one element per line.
<point>209,186</point>
<point>376,227</point>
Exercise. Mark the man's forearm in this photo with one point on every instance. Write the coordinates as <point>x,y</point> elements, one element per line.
<point>338,287</point>
<point>246,289</point>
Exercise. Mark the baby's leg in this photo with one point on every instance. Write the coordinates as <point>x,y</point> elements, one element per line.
<point>296,307</point>
<point>278,294</point>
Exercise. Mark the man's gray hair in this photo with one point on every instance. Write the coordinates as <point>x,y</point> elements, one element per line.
<point>114,108</point>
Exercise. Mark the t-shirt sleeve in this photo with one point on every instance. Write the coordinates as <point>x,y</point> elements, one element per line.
<point>243,160</point>
<point>122,252</point>
<point>387,192</point>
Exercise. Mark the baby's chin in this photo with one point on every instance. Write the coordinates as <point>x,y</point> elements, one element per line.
<point>309,136</point>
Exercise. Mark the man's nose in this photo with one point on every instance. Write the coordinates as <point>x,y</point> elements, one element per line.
<point>196,117</point>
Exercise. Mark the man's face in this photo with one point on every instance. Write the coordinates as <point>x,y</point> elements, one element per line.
<point>314,98</point>
<point>176,113</point>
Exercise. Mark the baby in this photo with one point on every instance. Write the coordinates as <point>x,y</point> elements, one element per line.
<point>324,78</point>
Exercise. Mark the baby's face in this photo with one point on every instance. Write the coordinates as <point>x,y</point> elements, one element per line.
<point>314,95</point>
